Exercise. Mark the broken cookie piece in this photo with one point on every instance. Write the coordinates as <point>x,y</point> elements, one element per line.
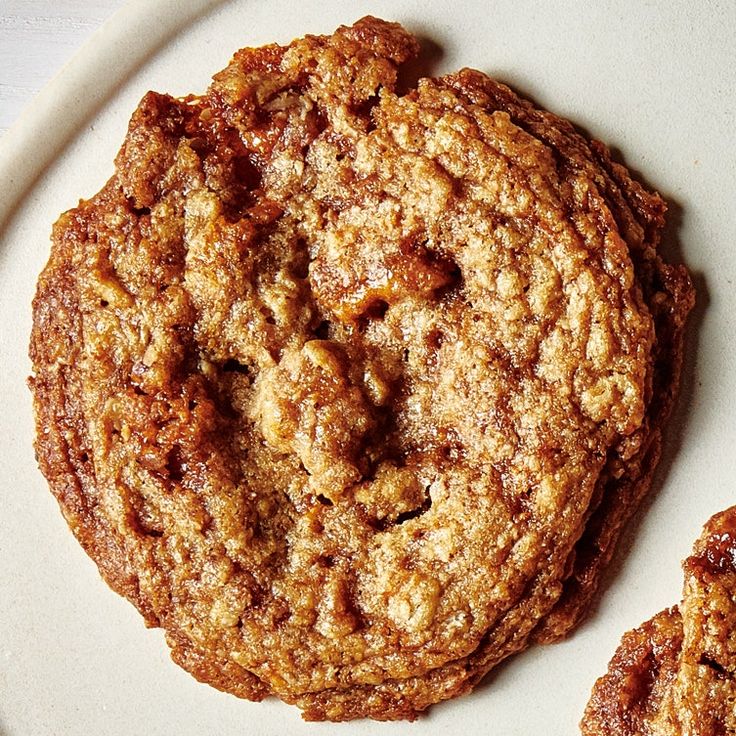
<point>676,674</point>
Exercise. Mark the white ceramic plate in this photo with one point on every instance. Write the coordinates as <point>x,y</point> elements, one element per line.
<point>656,80</point>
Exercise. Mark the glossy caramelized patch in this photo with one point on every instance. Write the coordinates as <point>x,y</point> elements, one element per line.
<point>333,383</point>
<point>718,554</point>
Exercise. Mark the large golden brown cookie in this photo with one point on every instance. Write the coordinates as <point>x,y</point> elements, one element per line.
<point>676,674</point>
<point>352,391</point>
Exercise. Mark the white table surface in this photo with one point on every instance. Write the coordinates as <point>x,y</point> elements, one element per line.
<point>37,37</point>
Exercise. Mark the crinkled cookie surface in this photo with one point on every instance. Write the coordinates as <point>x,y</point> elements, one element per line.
<point>351,391</point>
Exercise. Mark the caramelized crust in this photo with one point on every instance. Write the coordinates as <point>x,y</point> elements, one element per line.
<point>352,392</point>
<point>676,674</point>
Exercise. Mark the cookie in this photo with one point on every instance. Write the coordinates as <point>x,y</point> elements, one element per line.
<point>351,391</point>
<point>676,673</point>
